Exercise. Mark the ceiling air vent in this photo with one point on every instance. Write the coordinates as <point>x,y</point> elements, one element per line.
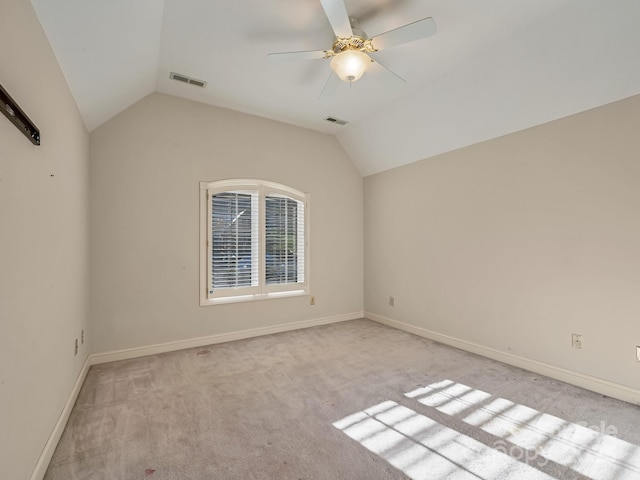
<point>337,121</point>
<point>191,81</point>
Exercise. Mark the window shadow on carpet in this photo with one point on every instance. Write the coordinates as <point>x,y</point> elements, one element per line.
<point>525,443</point>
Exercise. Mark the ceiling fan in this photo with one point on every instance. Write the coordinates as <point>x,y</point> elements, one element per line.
<point>349,54</point>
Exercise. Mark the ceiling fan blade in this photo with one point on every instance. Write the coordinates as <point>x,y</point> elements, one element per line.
<point>407,33</point>
<point>384,75</point>
<point>330,87</point>
<point>301,55</point>
<point>338,17</point>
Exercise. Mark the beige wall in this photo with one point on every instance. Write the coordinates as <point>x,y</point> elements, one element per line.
<point>518,242</point>
<point>146,165</point>
<point>513,244</point>
<point>43,244</point>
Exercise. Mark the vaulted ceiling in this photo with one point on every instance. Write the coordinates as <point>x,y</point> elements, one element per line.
<point>492,68</point>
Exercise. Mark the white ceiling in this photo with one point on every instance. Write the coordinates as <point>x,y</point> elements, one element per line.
<point>493,67</point>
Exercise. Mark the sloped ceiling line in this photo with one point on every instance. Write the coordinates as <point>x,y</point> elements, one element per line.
<point>494,67</point>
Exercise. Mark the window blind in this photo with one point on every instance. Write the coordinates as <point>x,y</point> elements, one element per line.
<point>284,240</point>
<point>234,242</point>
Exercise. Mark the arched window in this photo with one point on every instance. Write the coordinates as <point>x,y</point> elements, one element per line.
<point>254,242</point>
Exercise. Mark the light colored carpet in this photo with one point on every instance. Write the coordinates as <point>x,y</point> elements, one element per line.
<point>354,400</point>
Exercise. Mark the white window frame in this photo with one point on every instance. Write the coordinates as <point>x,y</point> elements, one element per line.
<point>261,291</point>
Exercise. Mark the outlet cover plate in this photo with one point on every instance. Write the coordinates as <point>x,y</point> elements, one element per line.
<point>576,340</point>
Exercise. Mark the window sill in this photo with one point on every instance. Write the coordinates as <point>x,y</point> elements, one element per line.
<point>252,298</point>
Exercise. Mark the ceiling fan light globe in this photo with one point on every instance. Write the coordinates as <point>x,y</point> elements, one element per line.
<point>350,65</point>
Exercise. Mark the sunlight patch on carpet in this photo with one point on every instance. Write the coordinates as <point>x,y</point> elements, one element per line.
<point>592,451</point>
<point>424,449</point>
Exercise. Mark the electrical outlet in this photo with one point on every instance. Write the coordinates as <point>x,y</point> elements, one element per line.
<point>82,337</point>
<point>638,353</point>
<point>312,300</point>
<point>392,301</point>
<point>76,349</point>
<point>576,340</point>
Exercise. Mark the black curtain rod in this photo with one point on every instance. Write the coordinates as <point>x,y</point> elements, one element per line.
<point>14,113</point>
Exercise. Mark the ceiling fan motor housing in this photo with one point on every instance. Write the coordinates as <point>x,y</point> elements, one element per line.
<point>352,43</point>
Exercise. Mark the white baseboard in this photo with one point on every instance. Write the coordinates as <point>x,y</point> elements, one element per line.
<point>129,353</point>
<point>94,359</point>
<point>52,442</point>
<point>595,384</point>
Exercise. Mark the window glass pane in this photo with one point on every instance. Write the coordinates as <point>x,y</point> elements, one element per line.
<point>282,240</point>
<point>232,253</point>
